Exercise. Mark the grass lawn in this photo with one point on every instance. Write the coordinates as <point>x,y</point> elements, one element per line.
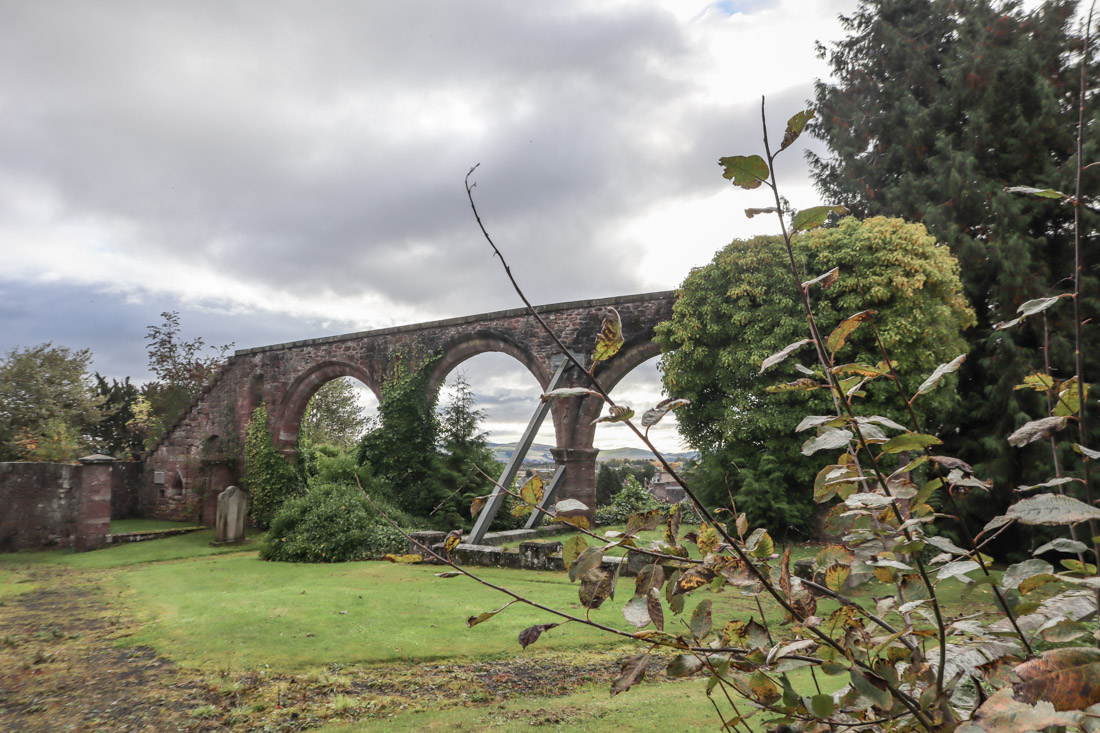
<point>191,545</point>
<point>363,641</point>
<point>122,526</point>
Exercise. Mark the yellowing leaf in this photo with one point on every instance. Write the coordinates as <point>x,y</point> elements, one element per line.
<point>748,172</point>
<point>403,558</point>
<point>610,338</point>
<point>814,217</point>
<point>475,620</point>
<point>572,548</point>
<point>795,125</point>
<point>841,333</point>
<point>617,413</point>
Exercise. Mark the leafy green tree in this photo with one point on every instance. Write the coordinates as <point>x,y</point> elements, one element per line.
<point>182,370</point>
<point>464,448</point>
<point>737,311</point>
<point>269,479</point>
<point>936,107</point>
<point>402,448</point>
<point>333,416</point>
<point>113,435</point>
<point>48,403</point>
<point>608,483</point>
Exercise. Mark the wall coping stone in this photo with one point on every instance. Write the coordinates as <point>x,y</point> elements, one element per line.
<point>96,458</point>
<point>462,320</point>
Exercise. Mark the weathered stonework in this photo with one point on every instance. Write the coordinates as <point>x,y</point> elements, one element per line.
<point>202,453</point>
<point>60,505</point>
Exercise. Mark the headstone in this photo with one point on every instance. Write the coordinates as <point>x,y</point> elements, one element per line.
<point>232,508</point>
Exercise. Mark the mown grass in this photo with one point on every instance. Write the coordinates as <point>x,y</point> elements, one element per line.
<point>664,706</point>
<point>191,545</point>
<point>122,526</point>
<point>224,612</point>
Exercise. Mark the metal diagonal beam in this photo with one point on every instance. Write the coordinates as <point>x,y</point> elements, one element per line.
<point>547,499</point>
<point>496,499</point>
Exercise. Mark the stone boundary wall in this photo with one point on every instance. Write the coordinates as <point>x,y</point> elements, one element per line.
<point>532,554</point>
<point>49,505</point>
<point>123,538</point>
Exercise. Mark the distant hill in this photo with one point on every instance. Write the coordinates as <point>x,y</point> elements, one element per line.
<point>540,453</point>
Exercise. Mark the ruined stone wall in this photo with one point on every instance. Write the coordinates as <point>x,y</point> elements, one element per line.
<point>55,505</point>
<point>203,453</point>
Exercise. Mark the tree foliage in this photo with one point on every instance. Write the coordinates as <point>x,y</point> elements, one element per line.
<point>402,448</point>
<point>608,483</point>
<point>936,107</point>
<point>333,416</point>
<point>269,479</point>
<point>112,434</point>
<point>737,311</point>
<point>464,449</point>
<point>181,371</point>
<point>48,404</point>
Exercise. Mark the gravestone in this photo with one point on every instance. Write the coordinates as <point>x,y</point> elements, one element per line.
<point>232,508</point>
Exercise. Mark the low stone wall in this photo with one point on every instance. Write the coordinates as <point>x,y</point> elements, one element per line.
<point>56,505</point>
<point>532,554</point>
<point>122,538</point>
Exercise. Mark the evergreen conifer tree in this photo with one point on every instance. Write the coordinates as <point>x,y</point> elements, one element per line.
<point>937,106</point>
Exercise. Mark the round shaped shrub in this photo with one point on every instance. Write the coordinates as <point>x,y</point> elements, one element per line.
<point>332,523</point>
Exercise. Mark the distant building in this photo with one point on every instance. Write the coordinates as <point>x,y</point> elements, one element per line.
<point>663,488</point>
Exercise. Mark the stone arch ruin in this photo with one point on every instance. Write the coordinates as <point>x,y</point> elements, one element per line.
<point>286,376</point>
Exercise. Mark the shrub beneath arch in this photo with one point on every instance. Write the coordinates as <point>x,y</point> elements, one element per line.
<point>332,523</point>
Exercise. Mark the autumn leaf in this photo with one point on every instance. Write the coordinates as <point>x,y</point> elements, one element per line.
<point>841,333</point>
<point>814,217</point>
<point>531,634</point>
<point>795,125</point>
<point>610,338</point>
<point>748,172</point>
<point>632,671</point>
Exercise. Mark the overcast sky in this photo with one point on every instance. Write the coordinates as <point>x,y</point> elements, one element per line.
<point>278,170</point>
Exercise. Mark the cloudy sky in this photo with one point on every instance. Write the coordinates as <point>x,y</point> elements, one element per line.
<point>283,170</point>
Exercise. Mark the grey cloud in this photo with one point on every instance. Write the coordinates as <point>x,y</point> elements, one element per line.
<point>264,140</point>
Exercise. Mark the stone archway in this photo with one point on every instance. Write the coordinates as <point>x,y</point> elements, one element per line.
<point>288,418</point>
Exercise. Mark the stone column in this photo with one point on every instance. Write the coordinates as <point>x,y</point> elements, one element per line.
<point>580,475</point>
<point>93,521</point>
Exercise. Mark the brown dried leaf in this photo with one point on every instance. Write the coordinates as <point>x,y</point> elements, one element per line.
<point>1036,430</point>
<point>532,633</point>
<point>656,612</point>
<point>651,576</point>
<point>595,588</point>
<point>587,560</point>
<point>633,670</point>
<point>697,577</point>
<point>477,505</point>
<point>1002,713</point>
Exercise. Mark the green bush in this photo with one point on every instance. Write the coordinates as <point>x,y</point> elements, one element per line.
<point>332,523</point>
<point>632,499</point>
